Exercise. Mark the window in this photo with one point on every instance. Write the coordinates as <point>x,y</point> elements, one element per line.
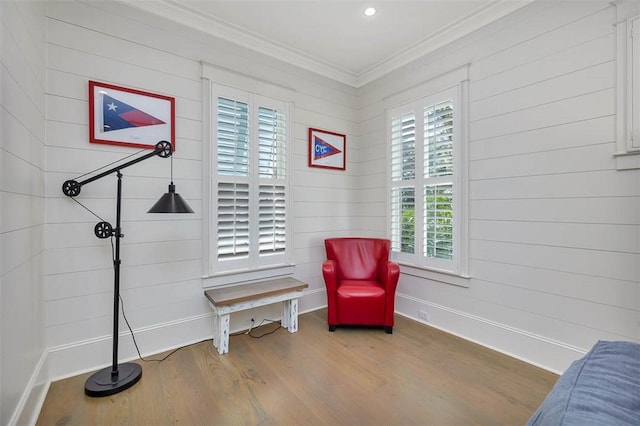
<point>426,196</point>
<point>628,86</point>
<point>250,179</point>
<point>247,195</point>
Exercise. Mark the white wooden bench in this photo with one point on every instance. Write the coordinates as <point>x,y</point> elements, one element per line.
<point>227,300</point>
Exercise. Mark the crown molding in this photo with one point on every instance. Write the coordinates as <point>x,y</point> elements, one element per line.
<point>212,25</point>
<point>456,30</point>
<point>216,27</point>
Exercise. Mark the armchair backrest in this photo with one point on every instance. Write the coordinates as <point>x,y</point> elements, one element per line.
<point>357,258</point>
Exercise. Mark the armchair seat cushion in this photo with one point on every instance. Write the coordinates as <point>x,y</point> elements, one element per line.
<point>360,288</point>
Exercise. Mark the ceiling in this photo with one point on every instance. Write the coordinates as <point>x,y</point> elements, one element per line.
<point>334,38</point>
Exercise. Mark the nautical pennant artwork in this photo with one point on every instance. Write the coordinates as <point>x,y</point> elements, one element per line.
<point>327,149</point>
<point>131,117</point>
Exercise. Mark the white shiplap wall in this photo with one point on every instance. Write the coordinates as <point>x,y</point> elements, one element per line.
<point>554,227</point>
<point>23,372</point>
<point>161,257</point>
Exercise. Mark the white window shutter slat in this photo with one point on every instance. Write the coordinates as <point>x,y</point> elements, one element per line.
<point>272,219</point>
<point>271,143</point>
<point>438,138</point>
<point>403,220</point>
<point>403,147</point>
<point>232,137</point>
<point>233,219</point>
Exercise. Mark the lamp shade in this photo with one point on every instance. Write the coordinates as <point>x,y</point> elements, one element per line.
<point>171,202</point>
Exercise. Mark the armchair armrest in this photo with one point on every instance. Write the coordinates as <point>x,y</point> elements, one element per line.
<point>388,275</point>
<point>330,274</point>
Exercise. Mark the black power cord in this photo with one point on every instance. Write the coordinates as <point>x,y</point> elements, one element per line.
<point>268,332</point>
<point>135,343</point>
<point>253,327</point>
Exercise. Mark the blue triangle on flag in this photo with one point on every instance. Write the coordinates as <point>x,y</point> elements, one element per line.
<point>322,148</point>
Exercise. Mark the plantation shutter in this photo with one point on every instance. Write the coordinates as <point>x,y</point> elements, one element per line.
<point>233,137</point>
<point>438,136</point>
<point>403,147</point>
<point>403,207</point>
<point>233,184</point>
<point>272,190</point>
<point>233,220</point>
<point>271,143</point>
<point>272,219</point>
<point>403,166</point>
<point>438,178</point>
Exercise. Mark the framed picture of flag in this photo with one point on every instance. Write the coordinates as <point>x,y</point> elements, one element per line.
<point>130,117</point>
<point>327,149</point>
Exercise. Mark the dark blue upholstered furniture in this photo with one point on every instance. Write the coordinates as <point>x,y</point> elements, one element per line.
<point>602,388</point>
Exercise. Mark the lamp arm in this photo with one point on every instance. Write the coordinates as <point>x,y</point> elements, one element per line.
<point>71,188</point>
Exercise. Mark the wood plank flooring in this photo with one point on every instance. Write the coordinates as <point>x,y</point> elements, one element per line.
<point>355,376</point>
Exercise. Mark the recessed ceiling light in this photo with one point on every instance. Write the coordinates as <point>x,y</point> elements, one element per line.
<point>370,11</point>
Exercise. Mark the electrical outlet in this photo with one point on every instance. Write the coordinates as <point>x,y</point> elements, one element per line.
<point>252,323</point>
<point>423,314</point>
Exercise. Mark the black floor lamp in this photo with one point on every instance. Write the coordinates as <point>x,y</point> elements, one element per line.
<point>119,377</point>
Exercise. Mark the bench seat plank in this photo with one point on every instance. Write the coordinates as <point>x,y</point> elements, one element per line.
<point>240,293</point>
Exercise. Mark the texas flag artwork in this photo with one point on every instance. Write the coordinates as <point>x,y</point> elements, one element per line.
<point>326,149</point>
<point>122,116</point>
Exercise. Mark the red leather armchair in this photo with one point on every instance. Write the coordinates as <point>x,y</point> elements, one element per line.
<point>361,282</point>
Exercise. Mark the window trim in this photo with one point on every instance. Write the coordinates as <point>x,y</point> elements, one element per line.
<point>212,75</point>
<point>627,153</point>
<point>455,79</point>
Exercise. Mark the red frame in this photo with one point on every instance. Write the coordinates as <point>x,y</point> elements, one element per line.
<point>331,134</point>
<point>153,97</point>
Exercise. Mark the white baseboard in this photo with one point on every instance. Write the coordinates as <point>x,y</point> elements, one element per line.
<point>30,403</point>
<point>313,300</point>
<point>90,355</point>
<point>537,350</point>
<point>531,348</point>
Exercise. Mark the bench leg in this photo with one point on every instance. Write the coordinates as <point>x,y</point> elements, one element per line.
<point>221,333</point>
<point>290,315</point>
<point>216,325</point>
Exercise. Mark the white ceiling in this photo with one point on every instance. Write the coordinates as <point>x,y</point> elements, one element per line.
<point>334,38</point>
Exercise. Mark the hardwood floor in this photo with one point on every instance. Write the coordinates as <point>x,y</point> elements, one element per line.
<point>355,376</point>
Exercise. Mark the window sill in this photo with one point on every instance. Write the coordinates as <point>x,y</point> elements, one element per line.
<point>628,160</point>
<point>435,275</point>
<point>235,277</point>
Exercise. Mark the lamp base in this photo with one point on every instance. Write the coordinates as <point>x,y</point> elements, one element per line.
<point>102,384</point>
